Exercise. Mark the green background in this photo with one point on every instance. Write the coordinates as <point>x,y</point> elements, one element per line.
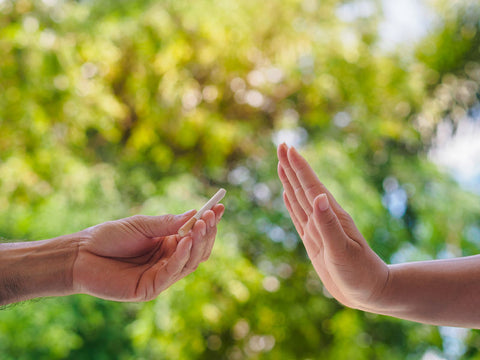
<point>114,108</point>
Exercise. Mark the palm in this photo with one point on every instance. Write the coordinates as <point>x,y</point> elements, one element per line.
<point>130,273</point>
<point>349,278</point>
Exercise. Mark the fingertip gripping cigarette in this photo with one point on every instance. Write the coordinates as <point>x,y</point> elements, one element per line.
<point>210,204</point>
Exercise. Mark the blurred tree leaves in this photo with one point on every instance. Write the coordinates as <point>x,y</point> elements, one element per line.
<point>112,108</point>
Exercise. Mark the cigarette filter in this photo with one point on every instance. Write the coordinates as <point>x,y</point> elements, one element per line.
<point>209,205</point>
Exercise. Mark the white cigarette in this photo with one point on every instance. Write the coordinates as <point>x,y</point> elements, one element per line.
<point>210,204</point>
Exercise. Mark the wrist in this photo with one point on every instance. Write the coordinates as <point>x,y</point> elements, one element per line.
<point>37,268</point>
<point>393,299</point>
<point>382,296</point>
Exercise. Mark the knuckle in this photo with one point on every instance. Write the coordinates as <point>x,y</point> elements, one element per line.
<point>298,190</point>
<point>206,256</point>
<point>143,296</point>
<point>311,191</point>
<point>344,216</point>
<point>301,216</point>
<point>137,218</point>
<point>168,218</point>
<point>329,221</point>
<point>191,268</point>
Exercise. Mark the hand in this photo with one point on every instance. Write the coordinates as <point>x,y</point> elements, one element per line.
<point>136,258</point>
<point>347,266</point>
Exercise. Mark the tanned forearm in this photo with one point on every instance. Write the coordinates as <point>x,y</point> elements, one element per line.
<point>437,292</point>
<point>36,269</point>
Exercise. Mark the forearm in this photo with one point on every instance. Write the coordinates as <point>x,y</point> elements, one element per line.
<point>36,269</point>
<point>438,292</point>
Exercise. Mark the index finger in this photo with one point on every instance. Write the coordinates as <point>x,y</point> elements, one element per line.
<point>292,185</point>
<point>308,179</point>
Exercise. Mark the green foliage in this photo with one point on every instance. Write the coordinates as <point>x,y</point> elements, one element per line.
<point>112,108</point>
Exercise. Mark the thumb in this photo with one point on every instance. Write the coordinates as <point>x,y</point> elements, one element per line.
<point>155,226</point>
<point>334,238</point>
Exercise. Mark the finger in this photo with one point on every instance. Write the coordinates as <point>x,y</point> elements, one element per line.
<point>156,226</point>
<point>297,211</point>
<point>312,239</point>
<point>180,257</point>
<point>308,180</point>
<point>334,238</point>
<point>212,233</point>
<point>219,210</point>
<point>198,234</point>
<point>168,245</point>
<point>309,234</point>
<point>296,223</point>
<point>296,186</point>
<point>210,244</point>
<point>204,237</point>
<point>167,271</point>
<point>209,218</point>
<point>296,207</point>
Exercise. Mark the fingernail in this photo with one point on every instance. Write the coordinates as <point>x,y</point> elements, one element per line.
<point>322,202</point>
<point>212,222</point>
<point>204,232</point>
<point>283,148</point>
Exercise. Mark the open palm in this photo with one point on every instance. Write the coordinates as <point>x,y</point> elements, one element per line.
<point>347,266</point>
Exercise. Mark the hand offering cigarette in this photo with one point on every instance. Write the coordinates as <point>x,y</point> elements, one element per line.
<point>209,205</point>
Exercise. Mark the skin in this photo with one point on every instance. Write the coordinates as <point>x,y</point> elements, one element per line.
<point>439,292</point>
<point>132,259</point>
